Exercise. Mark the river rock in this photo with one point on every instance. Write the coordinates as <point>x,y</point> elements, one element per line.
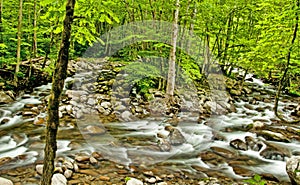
<point>59,179</point>
<point>274,152</point>
<point>164,145</point>
<point>293,168</point>
<point>126,115</point>
<point>253,144</point>
<point>92,129</point>
<point>235,92</point>
<point>5,97</point>
<point>106,105</point>
<point>238,144</point>
<point>4,181</point>
<point>82,158</point>
<point>39,169</point>
<point>134,181</point>
<point>68,173</point>
<point>175,136</point>
<point>4,120</point>
<point>273,136</point>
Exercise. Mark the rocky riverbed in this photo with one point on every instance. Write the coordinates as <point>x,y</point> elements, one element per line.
<point>109,131</point>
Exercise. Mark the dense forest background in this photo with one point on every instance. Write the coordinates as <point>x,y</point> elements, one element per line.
<point>260,37</point>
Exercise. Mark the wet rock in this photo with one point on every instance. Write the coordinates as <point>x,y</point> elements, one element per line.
<point>151,180</point>
<point>235,92</point>
<point>4,121</point>
<point>248,106</point>
<point>224,152</point>
<point>93,160</point>
<point>134,181</point>
<point>106,105</point>
<point>28,113</point>
<point>68,164</point>
<point>253,144</point>
<point>39,169</point>
<point>293,168</point>
<point>59,179</point>
<point>126,115</point>
<point>39,121</point>
<point>91,129</point>
<point>104,178</point>
<point>4,181</point>
<point>164,145</point>
<point>258,125</point>
<point>6,97</point>
<point>68,173</point>
<point>175,136</point>
<point>274,153</point>
<point>242,171</point>
<point>78,114</point>
<point>273,136</point>
<point>82,158</point>
<point>238,144</point>
<point>211,158</point>
<point>90,172</point>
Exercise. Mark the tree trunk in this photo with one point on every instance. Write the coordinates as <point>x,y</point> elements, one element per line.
<point>18,44</point>
<point>172,59</point>
<point>1,29</point>
<point>281,82</point>
<point>59,76</point>
<point>192,24</point>
<point>34,44</point>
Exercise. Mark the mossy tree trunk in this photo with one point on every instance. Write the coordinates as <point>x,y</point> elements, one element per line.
<point>59,76</point>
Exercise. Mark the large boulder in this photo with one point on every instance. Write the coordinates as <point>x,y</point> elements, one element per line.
<point>293,169</point>
<point>6,97</point>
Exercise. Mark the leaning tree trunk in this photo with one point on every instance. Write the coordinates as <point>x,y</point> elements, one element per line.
<point>59,76</point>
<point>18,44</point>
<point>281,82</point>
<point>172,59</point>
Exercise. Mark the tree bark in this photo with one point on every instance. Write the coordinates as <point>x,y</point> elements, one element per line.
<point>34,44</point>
<point>288,59</point>
<point>172,59</point>
<point>1,28</point>
<point>59,76</point>
<point>18,44</point>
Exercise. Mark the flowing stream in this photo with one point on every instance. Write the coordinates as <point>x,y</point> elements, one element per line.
<point>135,141</point>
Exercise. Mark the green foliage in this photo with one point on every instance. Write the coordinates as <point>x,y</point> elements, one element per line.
<point>127,179</point>
<point>256,180</point>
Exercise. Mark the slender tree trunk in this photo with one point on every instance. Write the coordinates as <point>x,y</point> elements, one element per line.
<point>288,59</point>
<point>18,44</point>
<point>1,28</point>
<point>34,44</point>
<point>59,76</point>
<point>172,59</point>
